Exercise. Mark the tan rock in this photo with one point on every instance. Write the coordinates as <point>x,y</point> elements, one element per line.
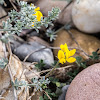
<point>86,85</point>
<point>88,43</point>
<point>47,5</point>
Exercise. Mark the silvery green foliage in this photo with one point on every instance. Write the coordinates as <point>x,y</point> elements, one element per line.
<point>52,15</point>
<point>3,63</point>
<point>41,83</point>
<point>51,34</point>
<point>24,19</point>
<point>1,1</point>
<point>7,26</point>
<point>38,84</point>
<point>18,84</point>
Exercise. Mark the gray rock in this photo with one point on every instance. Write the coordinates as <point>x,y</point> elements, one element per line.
<point>63,95</point>
<point>14,44</point>
<point>45,54</point>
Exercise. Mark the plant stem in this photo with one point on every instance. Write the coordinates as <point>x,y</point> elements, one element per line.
<point>52,70</point>
<point>8,29</point>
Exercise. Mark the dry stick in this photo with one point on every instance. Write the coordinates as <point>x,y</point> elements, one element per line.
<point>9,50</point>
<point>29,98</point>
<point>67,5</point>
<point>13,5</point>
<point>8,29</point>
<point>3,16</point>
<point>31,71</point>
<point>32,94</point>
<point>4,49</point>
<point>32,53</point>
<point>47,95</point>
<point>70,33</point>
<point>44,71</point>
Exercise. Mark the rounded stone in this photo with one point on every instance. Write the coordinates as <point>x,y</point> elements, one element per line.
<point>86,85</point>
<point>37,53</point>
<point>86,15</point>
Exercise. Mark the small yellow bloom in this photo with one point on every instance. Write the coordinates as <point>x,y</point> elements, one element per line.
<point>64,47</point>
<point>61,56</point>
<point>65,55</point>
<point>38,14</point>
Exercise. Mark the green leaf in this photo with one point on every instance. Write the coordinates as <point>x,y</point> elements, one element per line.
<point>58,84</point>
<point>83,64</point>
<point>94,54</point>
<point>40,65</point>
<point>91,57</point>
<point>79,59</point>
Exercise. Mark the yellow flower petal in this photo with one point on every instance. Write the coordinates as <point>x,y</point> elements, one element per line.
<point>61,54</point>
<point>64,47</point>
<point>71,60</point>
<point>72,52</point>
<point>37,9</point>
<point>39,15</point>
<point>67,54</point>
<point>62,61</point>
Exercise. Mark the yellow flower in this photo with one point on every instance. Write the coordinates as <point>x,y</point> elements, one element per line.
<point>65,55</point>
<point>61,57</point>
<point>38,14</point>
<point>64,47</point>
<point>69,54</point>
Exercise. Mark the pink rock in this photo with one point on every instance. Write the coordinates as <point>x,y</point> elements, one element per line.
<point>86,85</point>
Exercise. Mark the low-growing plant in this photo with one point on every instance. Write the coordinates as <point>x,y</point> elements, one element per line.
<point>29,17</point>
